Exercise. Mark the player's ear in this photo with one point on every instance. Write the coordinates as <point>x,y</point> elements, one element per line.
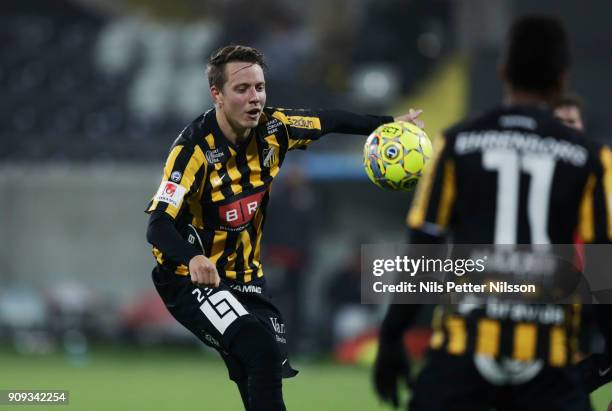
<point>217,95</point>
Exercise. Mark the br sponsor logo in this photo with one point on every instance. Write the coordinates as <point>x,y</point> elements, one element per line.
<point>240,212</point>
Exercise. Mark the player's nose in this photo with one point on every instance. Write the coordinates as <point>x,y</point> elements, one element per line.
<point>254,96</point>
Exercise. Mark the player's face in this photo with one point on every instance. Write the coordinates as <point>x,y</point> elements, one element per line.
<point>570,116</point>
<point>243,95</point>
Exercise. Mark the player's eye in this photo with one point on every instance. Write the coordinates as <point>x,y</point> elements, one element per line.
<point>260,87</point>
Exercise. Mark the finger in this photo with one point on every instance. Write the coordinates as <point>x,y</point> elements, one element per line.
<point>418,123</point>
<point>201,278</point>
<point>211,276</point>
<point>412,113</point>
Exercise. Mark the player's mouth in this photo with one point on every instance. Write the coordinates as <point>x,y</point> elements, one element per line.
<point>253,114</point>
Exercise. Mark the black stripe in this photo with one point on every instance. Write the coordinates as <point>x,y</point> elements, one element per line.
<point>207,237</point>
<point>226,188</point>
<point>599,211</point>
<point>181,160</point>
<point>523,231</point>
<point>206,194</point>
<point>253,241</point>
<point>471,329</point>
<point>239,265</point>
<point>283,142</point>
<point>261,146</point>
<point>543,342</point>
<point>244,168</point>
<point>198,178</point>
<point>161,206</point>
<point>506,338</point>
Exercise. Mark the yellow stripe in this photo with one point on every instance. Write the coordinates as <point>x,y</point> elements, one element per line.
<point>171,160</point>
<point>217,249</point>
<point>448,194</point>
<point>586,226</point>
<point>280,116</point>
<point>488,337</point>
<point>606,161</point>
<point>558,347</point>
<point>309,123</point>
<point>418,211</point>
<point>182,270</point>
<point>158,255</point>
<point>195,163</point>
<point>303,122</point>
<point>246,251</point>
<point>437,338</point>
<point>232,171</point>
<point>274,144</point>
<point>210,140</point>
<point>218,245</point>
<point>257,223</point>
<point>457,335</point>
<point>525,336</point>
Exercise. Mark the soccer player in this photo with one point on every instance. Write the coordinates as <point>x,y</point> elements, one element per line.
<point>513,175</point>
<point>569,110</point>
<point>207,217</point>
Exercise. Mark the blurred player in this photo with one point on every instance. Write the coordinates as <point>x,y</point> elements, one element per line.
<point>514,175</point>
<point>569,110</point>
<point>207,217</point>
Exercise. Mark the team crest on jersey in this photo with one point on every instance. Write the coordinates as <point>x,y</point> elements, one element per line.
<point>270,157</point>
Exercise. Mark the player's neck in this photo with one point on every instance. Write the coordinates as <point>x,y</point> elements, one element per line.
<point>525,98</point>
<point>233,134</point>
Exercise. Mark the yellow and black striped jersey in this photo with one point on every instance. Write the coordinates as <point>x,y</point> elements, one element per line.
<point>222,189</point>
<point>523,332</point>
<point>514,175</point>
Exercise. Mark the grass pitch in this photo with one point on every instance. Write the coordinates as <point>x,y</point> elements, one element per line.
<point>153,380</point>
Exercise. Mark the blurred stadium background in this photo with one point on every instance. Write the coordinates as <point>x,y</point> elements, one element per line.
<point>94,92</point>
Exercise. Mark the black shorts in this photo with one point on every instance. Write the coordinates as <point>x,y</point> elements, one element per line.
<point>215,315</point>
<point>449,382</point>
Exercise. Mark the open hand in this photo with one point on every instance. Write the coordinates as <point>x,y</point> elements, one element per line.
<point>411,117</point>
